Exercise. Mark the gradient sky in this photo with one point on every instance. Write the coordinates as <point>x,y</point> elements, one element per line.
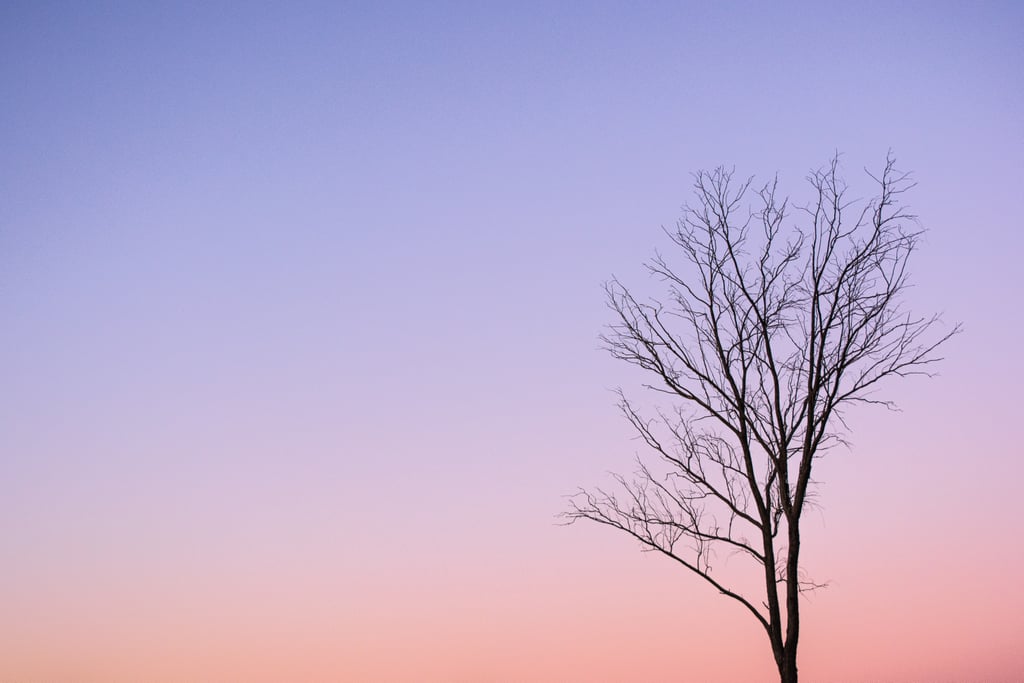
<point>299,307</point>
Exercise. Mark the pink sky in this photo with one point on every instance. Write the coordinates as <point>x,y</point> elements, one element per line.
<point>299,349</point>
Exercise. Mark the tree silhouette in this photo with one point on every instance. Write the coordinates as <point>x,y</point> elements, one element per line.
<point>768,334</point>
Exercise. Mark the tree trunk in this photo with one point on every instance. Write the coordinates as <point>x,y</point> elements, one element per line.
<point>787,672</point>
<point>787,669</point>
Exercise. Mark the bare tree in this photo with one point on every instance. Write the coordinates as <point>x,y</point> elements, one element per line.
<point>767,335</point>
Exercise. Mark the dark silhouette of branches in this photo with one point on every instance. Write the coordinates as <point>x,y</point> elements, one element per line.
<point>767,335</point>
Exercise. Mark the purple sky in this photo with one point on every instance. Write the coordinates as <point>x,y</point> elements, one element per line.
<point>300,309</point>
